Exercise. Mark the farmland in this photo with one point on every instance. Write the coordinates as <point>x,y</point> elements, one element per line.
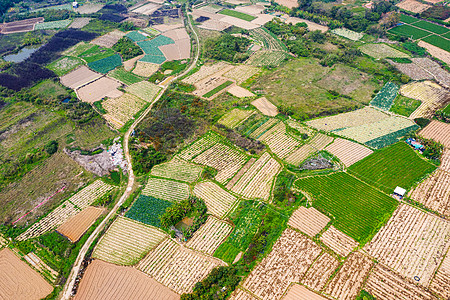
<point>125,77</point>
<point>412,6</point>
<point>379,51</point>
<point>308,220</point>
<point>237,14</point>
<point>318,274</point>
<point>65,65</point>
<point>218,201</point>
<point>127,242</point>
<point>440,284</point>
<point>148,210</point>
<point>382,168</point>
<point>347,33</point>
<point>437,131</point>
<point>348,152</point>
<point>409,31</point>
<point>77,225</point>
<point>358,209</point>
<point>144,90</point>
<point>166,189</point>
<point>177,169</point>
<point>338,241</point>
<point>122,109</point>
<point>404,106</point>
<point>412,243</point>
<point>385,97</point>
<point>106,64</point>
<point>209,237</point>
<point>235,117</point>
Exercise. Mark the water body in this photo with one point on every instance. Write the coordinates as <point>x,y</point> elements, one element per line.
<point>22,55</point>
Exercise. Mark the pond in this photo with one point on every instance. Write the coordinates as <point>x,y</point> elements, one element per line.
<point>23,54</point>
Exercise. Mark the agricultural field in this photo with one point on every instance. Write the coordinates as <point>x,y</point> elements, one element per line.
<point>148,210</point>
<point>65,65</point>
<point>206,70</point>
<point>348,152</point>
<point>99,89</point>
<point>432,96</point>
<point>409,31</point>
<point>217,89</point>
<point>297,291</point>
<point>380,51</point>
<point>412,6</point>
<point>145,90</point>
<point>79,23</point>
<point>127,241</point>
<point>167,190</point>
<point>178,169</point>
<point>290,258</point>
<point>52,25</point>
<point>300,154</point>
<point>233,118</point>
<point>358,209</point>
<point>103,279</point>
<point>267,58</point>
<point>94,53</point>
<point>261,127</point>
<point>382,168</point>
<point>241,73</point>
<point>265,107</point>
<point>76,226</point>
<point>382,283</point>
<point>239,92</point>
<point>108,40</point>
<point>267,40</point>
<point>177,267</point>
<point>210,235</point>
<point>350,278</point>
<point>203,143</point>
<point>145,69</point>
<point>124,76</point>
<point>67,209</point>
<point>308,220</point>
<point>320,271</point>
<point>20,280</point>
<point>436,51</point>
<point>412,243</point>
<point>40,266</point>
<point>279,142</point>
<point>106,64</point>
<point>347,33</point>
<point>320,141</point>
<point>257,181</point>
<point>122,109</point>
<point>437,131</point>
<point>338,241</point>
<point>218,201</point>
<point>438,41</point>
<point>441,284</point>
<point>237,14</point>
<point>385,97</point>
<point>79,77</point>
<point>434,192</point>
<point>404,106</point>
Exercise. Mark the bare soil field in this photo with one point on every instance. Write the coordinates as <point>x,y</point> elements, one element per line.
<point>436,52</point>
<point>177,267</point>
<point>240,173</point>
<point>89,8</point>
<point>279,142</point>
<point>20,26</point>
<point>311,25</point>
<point>147,9</point>
<point>240,294</point>
<point>287,3</point>
<point>291,256</point>
<point>411,70</point>
<point>218,201</point>
<point>131,63</point>
<point>214,25</point>
<point>79,77</point>
<point>441,281</point>
<point>254,9</point>
<point>445,160</point>
<point>412,243</point>
<point>145,69</point>
<point>413,6</point>
<point>300,154</point>
<point>319,273</point>
<point>434,192</point>
<point>265,107</point>
<point>167,27</point>
<point>210,235</point>
<point>209,84</point>
<point>308,220</point>
<point>241,73</point>
<point>262,19</point>
<point>145,90</point>
<point>127,241</point>
<point>438,131</point>
<point>207,70</point>
<point>297,291</point>
<point>432,67</point>
<point>347,151</point>
<point>79,23</point>
<point>108,40</point>
<point>103,280</point>
<point>240,92</point>
<point>239,23</point>
<point>350,278</point>
<point>19,281</point>
<point>385,284</point>
<point>76,226</point>
<point>338,242</point>
<point>178,51</point>
<point>99,89</point>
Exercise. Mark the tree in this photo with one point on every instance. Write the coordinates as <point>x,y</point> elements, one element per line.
<point>51,147</point>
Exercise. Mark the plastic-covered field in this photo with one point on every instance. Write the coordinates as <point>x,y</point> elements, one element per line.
<point>136,36</point>
<point>106,64</point>
<point>155,59</point>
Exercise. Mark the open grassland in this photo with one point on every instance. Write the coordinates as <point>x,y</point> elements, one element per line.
<point>359,210</point>
<point>380,51</point>
<point>67,209</point>
<point>77,225</point>
<point>437,131</point>
<point>164,189</point>
<point>177,169</point>
<point>104,280</point>
<point>412,243</point>
<point>209,237</point>
<point>20,280</point>
<point>397,165</point>
<point>308,94</point>
<point>177,267</point>
<point>308,220</point>
<point>338,241</point>
<point>127,241</point>
<point>218,201</point>
<point>148,210</point>
<point>290,258</point>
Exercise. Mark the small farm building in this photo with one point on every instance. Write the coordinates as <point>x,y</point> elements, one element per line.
<point>399,192</point>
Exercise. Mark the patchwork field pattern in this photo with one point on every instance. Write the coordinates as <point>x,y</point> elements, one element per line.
<point>235,117</point>
<point>279,142</point>
<point>257,181</point>
<point>77,225</point>
<point>99,89</point>
<point>65,65</point>
<point>437,131</point>
<point>205,71</point>
<point>291,256</point>
<point>177,169</point>
<point>218,201</point>
<point>308,220</point>
<point>320,271</point>
<point>148,210</point>
<point>67,209</point>
<point>412,243</point>
<point>127,241</point>
<point>347,151</point>
<point>19,279</point>
<point>338,241</point>
<point>104,280</point>
<point>145,90</point>
<point>200,145</point>
<point>209,237</point>
<point>380,51</point>
<point>350,278</point>
<point>106,64</point>
<point>122,109</point>
<point>110,39</point>
<point>177,267</point>
<point>79,77</point>
<point>385,284</point>
<point>145,69</point>
<point>241,73</point>
<point>164,189</point>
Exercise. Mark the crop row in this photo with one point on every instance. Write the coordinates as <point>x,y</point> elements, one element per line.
<point>164,189</point>
<point>177,169</point>
<point>218,201</point>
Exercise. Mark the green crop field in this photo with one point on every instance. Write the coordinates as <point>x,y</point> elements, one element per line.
<point>52,25</point>
<point>396,165</point>
<point>431,27</point>
<point>247,224</point>
<point>96,53</point>
<point>155,59</point>
<point>438,42</point>
<point>65,65</point>
<point>447,35</point>
<point>407,19</point>
<point>148,210</point>
<point>124,76</point>
<point>218,89</point>
<point>409,31</point>
<point>447,110</point>
<point>237,14</point>
<point>106,64</point>
<point>359,209</point>
<point>136,36</point>
<point>404,106</point>
<point>386,96</point>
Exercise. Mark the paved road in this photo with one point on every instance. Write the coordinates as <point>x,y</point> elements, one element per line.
<point>67,292</point>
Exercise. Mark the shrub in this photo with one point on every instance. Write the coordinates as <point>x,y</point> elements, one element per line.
<point>51,147</point>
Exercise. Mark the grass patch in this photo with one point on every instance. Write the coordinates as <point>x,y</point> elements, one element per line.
<point>409,31</point>
<point>396,165</point>
<point>404,106</point>
<point>148,210</point>
<point>218,89</point>
<point>237,14</point>
<point>126,77</point>
<point>96,53</point>
<point>359,209</point>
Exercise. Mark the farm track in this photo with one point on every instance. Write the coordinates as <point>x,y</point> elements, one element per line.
<point>67,291</point>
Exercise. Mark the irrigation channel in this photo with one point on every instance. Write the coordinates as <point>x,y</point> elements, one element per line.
<point>70,283</point>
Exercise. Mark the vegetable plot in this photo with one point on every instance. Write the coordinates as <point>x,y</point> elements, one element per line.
<point>386,96</point>
<point>106,64</point>
<point>148,210</point>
